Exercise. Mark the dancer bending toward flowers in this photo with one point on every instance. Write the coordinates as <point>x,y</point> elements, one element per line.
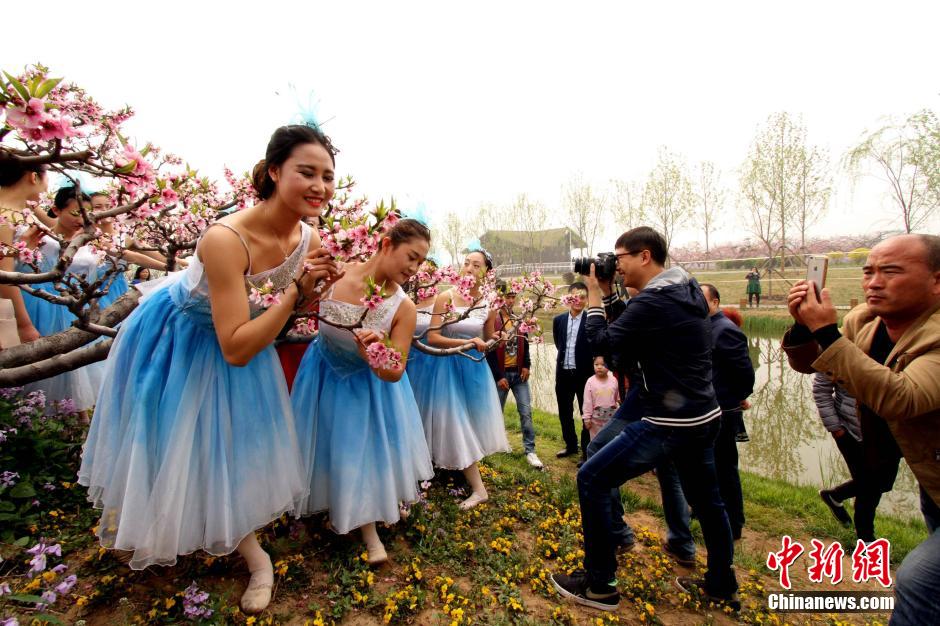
<point>357,420</point>
<point>192,443</point>
<point>463,419</point>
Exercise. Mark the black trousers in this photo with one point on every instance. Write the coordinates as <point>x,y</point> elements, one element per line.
<point>726,467</point>
<point>873,465</point>
<point>569,385</point>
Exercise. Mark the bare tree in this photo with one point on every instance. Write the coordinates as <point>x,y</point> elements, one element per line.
<point>710,200</point>
<point>584,208</point>
<point>626,203</point>
<point>452,236</point>
<point>667,194</point>
<point>905,155</point>
<point>772,179</point>
<point>813,192</point>
<point>529,217</point>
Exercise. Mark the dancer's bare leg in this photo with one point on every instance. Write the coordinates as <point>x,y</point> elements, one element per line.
<point>258,594</point>
<point>374,546</point>
<point>478,495</point>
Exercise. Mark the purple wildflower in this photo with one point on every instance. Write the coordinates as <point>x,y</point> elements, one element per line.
<point>39,551</point>
<point>48,599</point>
<point>66,585</point>
<point>194,603</point>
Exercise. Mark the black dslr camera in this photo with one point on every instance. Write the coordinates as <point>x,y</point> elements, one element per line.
<point>605,265</point>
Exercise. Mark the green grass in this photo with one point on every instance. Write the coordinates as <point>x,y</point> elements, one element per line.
<point>766,325</point>
<point>772,507</point>
<point>844,283</point>
<point>772,322</point>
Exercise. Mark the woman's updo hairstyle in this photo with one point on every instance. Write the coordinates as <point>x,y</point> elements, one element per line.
<point>62,198</point>
<point>12,171</point>
<point>406,230</point>
<point>487,257</point>
<point>280,147</point>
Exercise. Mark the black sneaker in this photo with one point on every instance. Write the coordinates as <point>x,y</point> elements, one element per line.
<point>565,452</point>
<point>626,546</point>
<point>836,507</point>
<point>696,586</point>
<point>575,587</point>
<point>678,558</point>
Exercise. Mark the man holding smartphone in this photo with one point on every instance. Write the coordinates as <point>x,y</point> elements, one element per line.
<point>888,357</point>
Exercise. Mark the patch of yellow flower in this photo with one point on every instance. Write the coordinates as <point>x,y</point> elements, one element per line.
<point>501,544</point>
<point>399,603</point>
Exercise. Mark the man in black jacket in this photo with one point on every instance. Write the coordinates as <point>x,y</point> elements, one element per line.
<point>733,380</point>
<point>665,331</point>
<point>573,366</point>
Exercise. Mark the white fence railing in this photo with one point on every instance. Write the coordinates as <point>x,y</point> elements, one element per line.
<point>517,269</point>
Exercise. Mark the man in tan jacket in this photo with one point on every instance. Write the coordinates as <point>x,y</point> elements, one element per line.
<point>888,357</point>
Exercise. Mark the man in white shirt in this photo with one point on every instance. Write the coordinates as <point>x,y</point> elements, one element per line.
<point>573,366</point>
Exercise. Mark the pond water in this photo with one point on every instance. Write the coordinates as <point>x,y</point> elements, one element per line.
<point>788,440</point>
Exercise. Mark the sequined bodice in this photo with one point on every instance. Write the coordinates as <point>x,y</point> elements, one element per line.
<point>423,321</point>
<point>191,291</point>
<point>340,344</point>
<point>472,326</point>
<point>339,312</point>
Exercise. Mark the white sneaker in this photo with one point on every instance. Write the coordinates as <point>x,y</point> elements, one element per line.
<point>534,460</point>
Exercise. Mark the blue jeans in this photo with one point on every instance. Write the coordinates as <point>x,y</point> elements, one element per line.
<point>675,511</point>
<point>520,391</point>
<point>675,506</point>
<point>640,447</point>
<point>917,581</point>
<point>623,533</point>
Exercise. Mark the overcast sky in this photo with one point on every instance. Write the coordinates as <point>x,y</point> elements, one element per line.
<point>458,106</point>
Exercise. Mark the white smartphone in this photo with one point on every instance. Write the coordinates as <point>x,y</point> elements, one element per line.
<point>816,268</point>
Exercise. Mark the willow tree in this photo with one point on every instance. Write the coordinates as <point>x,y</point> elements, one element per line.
<point>904,154</point>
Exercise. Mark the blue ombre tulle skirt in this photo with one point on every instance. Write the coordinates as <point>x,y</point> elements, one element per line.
<point>418,363</point>
<point>360,437</point>
<point>463,420</point>
<point>81,385</point>
<point>186,452</point>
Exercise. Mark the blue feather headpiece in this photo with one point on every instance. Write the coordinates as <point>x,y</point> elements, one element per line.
<point>307,112</point>
<point>418,214</point>
<point>61,181</point>
<point>474,245</point>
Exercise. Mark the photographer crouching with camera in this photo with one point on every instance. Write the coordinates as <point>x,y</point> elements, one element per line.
<point>665,331</point>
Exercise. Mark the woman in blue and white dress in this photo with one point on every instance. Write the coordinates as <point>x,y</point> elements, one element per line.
<point>463,419</point>
<point>359,427</point>
<point>81,385</point>
<point>192,444</point>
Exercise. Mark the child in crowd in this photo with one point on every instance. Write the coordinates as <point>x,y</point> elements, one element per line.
<point>601,398</point>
